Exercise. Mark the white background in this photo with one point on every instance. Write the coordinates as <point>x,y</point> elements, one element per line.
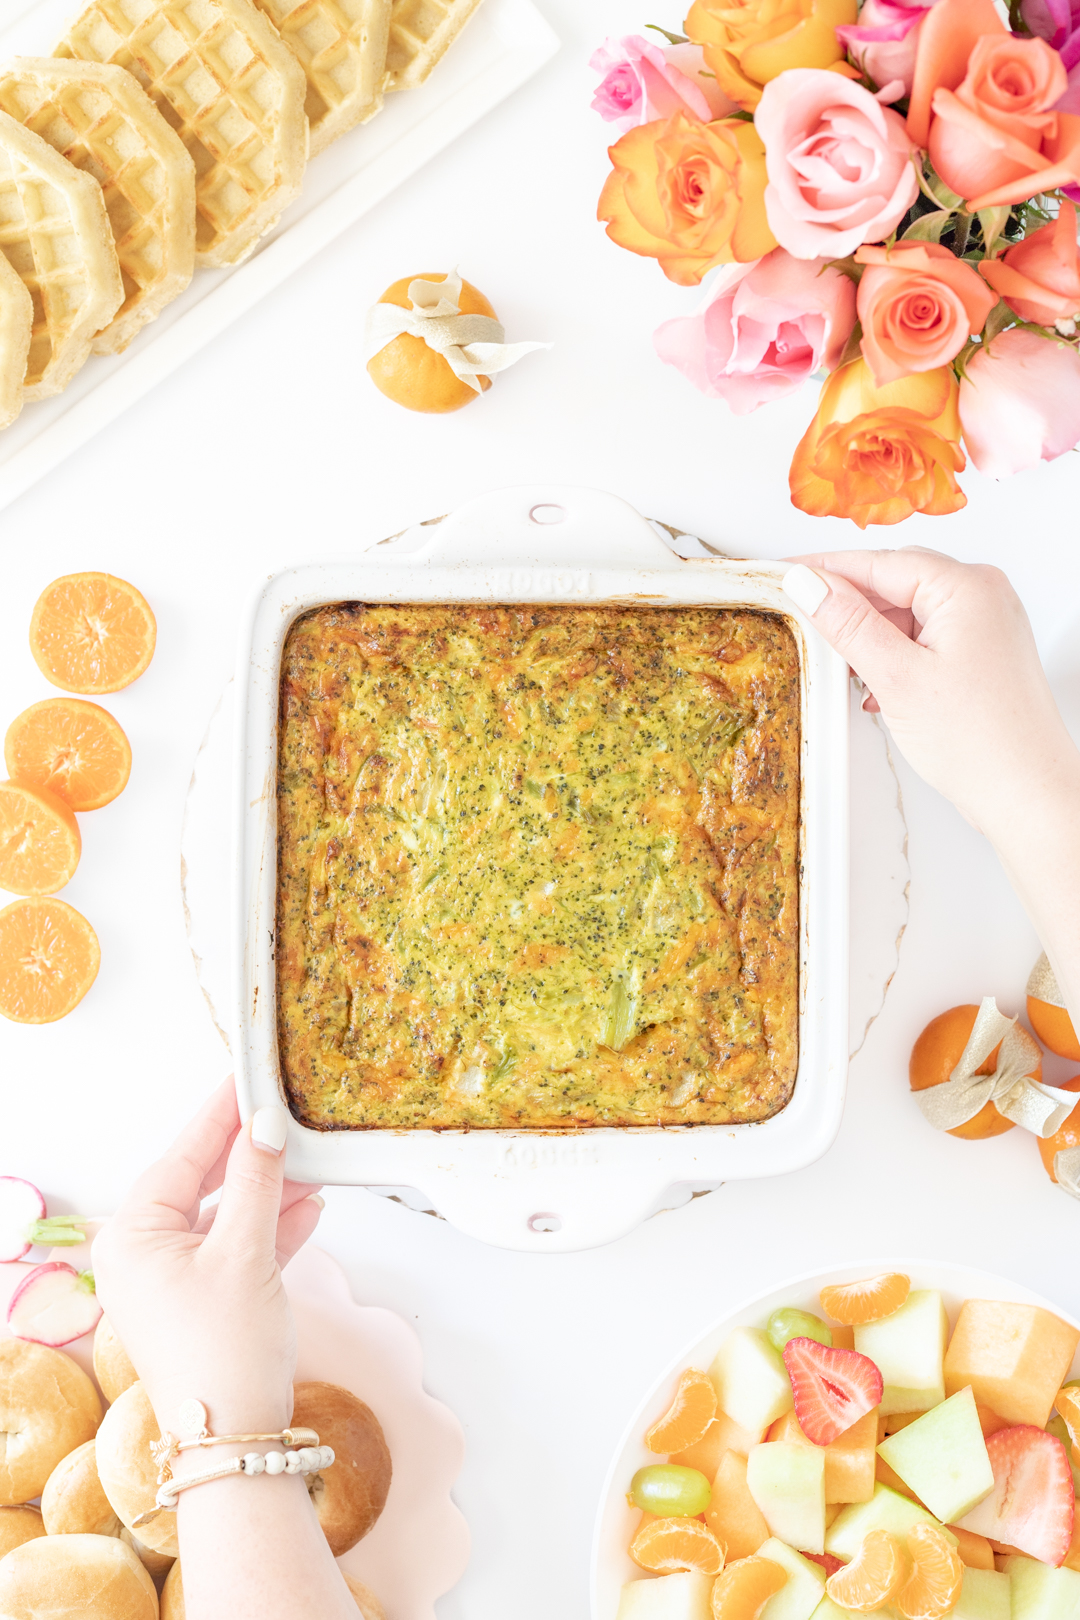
<point>272,448</point>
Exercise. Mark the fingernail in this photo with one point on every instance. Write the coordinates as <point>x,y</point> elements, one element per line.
<point>269,1127</point>
<point>806,589</point>
<point>313,1198</point>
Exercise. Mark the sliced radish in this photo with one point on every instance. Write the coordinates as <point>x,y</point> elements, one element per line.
<point>54,1305</point>
<point>21,1205</point>
<point>832,1388</point>
<point>1031,1505</point>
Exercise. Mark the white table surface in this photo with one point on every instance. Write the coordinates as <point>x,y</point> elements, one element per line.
<point>273,448</point>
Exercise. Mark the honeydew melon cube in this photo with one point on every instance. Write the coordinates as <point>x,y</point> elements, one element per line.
<point>751,1381</point>
<point>1040,1592</point>
<point>886,1510</point>
<point>908,1348</point>
<point>668,1597</point>
<point>801,1594</point>
<point>828,1610</point>
<point>850,1459</point>
<point>787,1481</point>
<point>942,1456</point>
<point>1015,1357</point>
<point>985,1595</point>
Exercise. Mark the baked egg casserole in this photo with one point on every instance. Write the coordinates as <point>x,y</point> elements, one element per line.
<point>538,866</point>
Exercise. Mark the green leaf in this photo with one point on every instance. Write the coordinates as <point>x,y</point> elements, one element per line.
<point>853,346</point>
<point>86,1282</point>
<point>928,227</point>
<point>992,222</point>
<point>998,319</point>
<point>672,39</point>
<point>847,267</point>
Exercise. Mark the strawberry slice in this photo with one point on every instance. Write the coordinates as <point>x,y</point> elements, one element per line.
<point>1031,1505</point>
<point>828,1563</point>
<point>833,1388</point>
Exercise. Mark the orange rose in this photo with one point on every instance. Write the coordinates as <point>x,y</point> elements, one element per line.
<point>918,304</point>
<point>1039,278</point>
<point>749,42</point>
<point>876,455</point>
<point>982,103</point>
<point>688,194</point>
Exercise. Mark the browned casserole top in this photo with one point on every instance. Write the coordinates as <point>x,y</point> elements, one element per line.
<point>538,866</point>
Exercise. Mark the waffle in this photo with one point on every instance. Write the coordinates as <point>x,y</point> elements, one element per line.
<point>16,324</point>
<point>54,229</point>
<point>421,32</point>
<point>341,45</point>
<point>98,118</point>
<point>234,93</point>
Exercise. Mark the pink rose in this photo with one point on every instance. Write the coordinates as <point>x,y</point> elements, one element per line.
<point>643,84</point>
<point>762,329</point>
<point>918,304</point>
<point>840,169</point>
<point>1052,20</point>
<point>882,43</point>
<point>1020,402</point>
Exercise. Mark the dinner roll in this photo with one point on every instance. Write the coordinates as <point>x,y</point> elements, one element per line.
<point>156,1564</point>
<point>73,1502</point>
<point>75,1578</point>
<point>48,1406</point>
<point>19,1524</point>
<point>351,1494</point>
<point>172,1597</point>
<point>128,1471</point>
<point>112,1369</point>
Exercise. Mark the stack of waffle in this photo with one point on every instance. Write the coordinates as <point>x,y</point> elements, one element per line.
<point>166,134</point>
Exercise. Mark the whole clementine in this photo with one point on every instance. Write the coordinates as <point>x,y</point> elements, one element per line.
<point>410,373</point>
<point>937,1052</point>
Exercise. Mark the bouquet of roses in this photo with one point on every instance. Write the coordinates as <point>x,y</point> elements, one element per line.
<point>886,192</point>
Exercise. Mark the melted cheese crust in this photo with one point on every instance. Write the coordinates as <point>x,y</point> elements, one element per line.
<point>538,866</point>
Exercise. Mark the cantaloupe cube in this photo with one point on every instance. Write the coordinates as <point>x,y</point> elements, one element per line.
<point>751,1381</point>
<point>849,1460</point>
<point>975,1551</point>
<point>723,1434</point>
<point>733,1516</point>
<point>801,1594</point>
<point>843,1337</point>
<point>668,1597</point>
<point>1015,1357</point>
<point>884,1475</point>
<point>908,1348</point>
<point>1040,1592</point>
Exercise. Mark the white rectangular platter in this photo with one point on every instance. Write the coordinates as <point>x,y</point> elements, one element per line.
<point>504,44</point>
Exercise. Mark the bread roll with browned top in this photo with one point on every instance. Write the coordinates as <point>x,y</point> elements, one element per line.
<point>48,1406</point>
<point>112,1366</point>
<point>73,1502</point>
<point>350,1495</point>
<point>19,1524</point>
<point>128,1471</point>
<point>172,1597</point>
<point>75,1578</point>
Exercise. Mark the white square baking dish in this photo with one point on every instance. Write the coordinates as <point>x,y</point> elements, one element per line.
<point>547,1190</point>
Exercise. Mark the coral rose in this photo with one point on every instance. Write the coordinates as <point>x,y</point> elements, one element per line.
<point>918,304</point>
<point>1020,402</point>
<point>1039,278</point>
<point>749,42</point>
<point>642,82</point>
<point>876,455</point>
<point>884,41</point>
<point>688,194</point>
<point>762,329</point>
<point>840,169</point>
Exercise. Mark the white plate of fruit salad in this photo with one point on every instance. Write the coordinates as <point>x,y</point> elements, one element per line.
<point>893,1438</point>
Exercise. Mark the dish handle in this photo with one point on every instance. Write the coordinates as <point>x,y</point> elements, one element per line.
<point>545,524</point>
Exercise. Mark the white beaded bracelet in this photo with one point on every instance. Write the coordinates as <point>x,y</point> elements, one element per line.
<point>308,1460</point>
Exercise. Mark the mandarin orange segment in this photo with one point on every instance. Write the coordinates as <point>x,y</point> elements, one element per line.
<point>932,1590</point>
<point>869,1300</point>
<point>1067,1402</point>
<point>49,958</point>
<point>688,1417</point>
<point>745,1587</point>
<point>668,1545</point>
<point>92,633</point>
<point>872,1577</point>
<point>39,840</point>
<point>73,749</point>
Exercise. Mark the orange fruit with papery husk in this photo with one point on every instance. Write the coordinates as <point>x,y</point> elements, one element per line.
<point>1067,1134</point>
<point>1047,1013</point>
<point>407,371</point>
<point>49,958</point>
<point>937,1052</point>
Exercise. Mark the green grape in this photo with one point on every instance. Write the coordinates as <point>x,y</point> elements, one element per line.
<point>670,1492</point>
<point>788,1323</point>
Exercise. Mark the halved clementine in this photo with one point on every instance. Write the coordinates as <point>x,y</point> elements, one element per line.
<point>745,1587</point>
<point>92,633</point>
<point>873,1575</point>
<point>688,1417</point>
<point>39,840</point>
<point>932,1590</point>
<point>49,958</point>
<point>672,1544</point>
<point>867,1300</point>
<point>71,748</point>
